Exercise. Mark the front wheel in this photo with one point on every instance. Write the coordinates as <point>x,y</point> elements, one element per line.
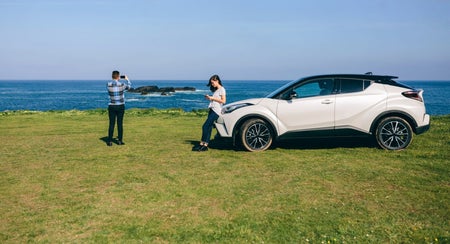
<point>256,135</point>
<point>394,133</point>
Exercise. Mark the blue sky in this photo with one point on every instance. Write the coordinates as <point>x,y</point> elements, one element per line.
<point>237,39</point>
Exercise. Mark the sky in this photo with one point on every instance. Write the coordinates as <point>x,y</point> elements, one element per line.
<point>236,39</point>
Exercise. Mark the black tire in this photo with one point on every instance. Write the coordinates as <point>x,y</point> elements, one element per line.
<point>256,135</point>
<point>393,133</point>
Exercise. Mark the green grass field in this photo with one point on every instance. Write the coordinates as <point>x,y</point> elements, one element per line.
<point>60,183</point>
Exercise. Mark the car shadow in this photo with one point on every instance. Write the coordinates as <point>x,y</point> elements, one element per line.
<point>220,143</point>
<point>309,143</point>
<point>327,143</point>
<point>217,144</point>
<point>304,143</point>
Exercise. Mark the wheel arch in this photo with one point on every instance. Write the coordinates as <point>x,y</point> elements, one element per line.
<point>245,118</point>
<point>395,113</point>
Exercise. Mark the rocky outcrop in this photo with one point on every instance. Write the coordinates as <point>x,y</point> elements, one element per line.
<point>143,90</point>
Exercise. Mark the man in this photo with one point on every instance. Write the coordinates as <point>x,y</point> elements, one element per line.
<point>116,107</point>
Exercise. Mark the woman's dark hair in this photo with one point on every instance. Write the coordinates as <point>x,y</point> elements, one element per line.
<point>214,77</point>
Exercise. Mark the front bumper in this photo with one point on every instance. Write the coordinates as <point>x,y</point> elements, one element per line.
<point>221,128</point>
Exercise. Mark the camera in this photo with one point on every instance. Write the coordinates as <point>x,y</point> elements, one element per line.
<point>122,77</point>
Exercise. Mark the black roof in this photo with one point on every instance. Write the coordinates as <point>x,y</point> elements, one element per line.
<point>384,79</point>
<point>355,76</point>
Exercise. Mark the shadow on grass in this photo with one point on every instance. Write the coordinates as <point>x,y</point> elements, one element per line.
<point>216,144</point>
<point>327,143</point>
<point>195,144</point>
<point>304,143</point>
<point>105,140</point>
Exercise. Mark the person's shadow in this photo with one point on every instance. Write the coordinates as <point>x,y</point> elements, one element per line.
<point>105,140</point>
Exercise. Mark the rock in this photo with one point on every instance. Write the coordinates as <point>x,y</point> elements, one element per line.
<point>186,88</point>
<point>144,90</point>
<point>166,89</point>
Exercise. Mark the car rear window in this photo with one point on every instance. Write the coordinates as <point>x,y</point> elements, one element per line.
<point>353,85</point>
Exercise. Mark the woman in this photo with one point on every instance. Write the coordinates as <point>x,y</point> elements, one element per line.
<point>216,101</point>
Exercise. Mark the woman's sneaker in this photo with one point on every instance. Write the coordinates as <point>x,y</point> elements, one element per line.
<point>203,149</point>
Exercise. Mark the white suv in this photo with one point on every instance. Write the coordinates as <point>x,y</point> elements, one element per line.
<point>329,106</point>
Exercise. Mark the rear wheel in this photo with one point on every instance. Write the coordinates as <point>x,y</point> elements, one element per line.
<point>394,133</point>
<point>256,135</point>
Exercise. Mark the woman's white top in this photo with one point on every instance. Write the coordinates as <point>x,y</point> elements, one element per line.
<point>214,105</point>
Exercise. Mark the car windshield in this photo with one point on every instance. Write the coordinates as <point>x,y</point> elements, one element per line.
<point>284,87</point>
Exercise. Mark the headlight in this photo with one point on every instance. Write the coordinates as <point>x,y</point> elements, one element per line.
<point>230,108</point>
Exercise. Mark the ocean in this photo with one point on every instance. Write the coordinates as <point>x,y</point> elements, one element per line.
<point>42,95</point>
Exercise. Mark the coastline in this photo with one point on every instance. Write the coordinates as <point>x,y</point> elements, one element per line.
<point>129,111</point>
<point>91,95</point>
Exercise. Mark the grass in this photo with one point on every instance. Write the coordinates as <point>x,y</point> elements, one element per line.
<point>60,183</point>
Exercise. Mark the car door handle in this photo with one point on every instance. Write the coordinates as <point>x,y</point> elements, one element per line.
<point>327,101</point>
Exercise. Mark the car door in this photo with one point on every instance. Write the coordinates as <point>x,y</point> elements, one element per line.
<point>308,106</point>
<point>357,103</point>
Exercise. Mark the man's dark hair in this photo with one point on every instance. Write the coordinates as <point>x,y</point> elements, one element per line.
<point>115,74</point>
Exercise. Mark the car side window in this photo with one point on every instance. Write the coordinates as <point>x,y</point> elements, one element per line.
<point>312,88</point>
<point>353,85</point>
<point>307,90</point>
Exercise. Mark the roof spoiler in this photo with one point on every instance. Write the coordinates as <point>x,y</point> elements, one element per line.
<point>385,76</point>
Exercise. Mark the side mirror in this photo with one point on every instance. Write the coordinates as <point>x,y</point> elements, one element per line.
<point>289,95</point>
<point>292,95</point>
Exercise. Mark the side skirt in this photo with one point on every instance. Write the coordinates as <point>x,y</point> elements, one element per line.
<point>343,132</point>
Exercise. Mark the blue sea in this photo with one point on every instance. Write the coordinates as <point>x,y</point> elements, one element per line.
<point>42,95</point>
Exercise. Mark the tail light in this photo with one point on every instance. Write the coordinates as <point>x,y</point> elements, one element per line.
<point>414,94</point>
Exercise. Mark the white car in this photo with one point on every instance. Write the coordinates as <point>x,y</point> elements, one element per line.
<point>329,106</point>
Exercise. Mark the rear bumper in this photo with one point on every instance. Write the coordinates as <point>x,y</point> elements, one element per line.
<point>426,125</point>
<point>422,129</point>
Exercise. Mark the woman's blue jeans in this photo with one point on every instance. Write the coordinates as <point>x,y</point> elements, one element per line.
<point>208,126</point>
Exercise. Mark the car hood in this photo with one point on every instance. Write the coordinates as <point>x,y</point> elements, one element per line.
<point>250,101</point>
